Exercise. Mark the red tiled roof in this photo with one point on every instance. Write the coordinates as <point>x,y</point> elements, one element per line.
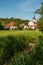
<point>10,24</point>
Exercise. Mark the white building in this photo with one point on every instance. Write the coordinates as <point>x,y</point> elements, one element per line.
<point>32,24</point>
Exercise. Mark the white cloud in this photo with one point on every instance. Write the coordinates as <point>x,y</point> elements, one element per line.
<point>27,5</point>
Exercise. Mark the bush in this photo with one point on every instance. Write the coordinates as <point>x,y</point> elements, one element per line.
<point>2,27</point>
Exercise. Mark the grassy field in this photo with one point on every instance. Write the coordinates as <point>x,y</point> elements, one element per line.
<point>17,47</point>
<point>31,33</point>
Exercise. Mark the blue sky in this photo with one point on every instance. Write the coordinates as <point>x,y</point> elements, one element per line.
<point>19,8</point>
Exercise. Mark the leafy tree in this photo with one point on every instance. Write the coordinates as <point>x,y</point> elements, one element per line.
<point>40,10</point>
<point>40,21</point>
<point>1,26</point>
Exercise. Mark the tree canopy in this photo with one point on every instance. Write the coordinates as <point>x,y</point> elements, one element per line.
<point>40,10</point>
<point>40,21</point>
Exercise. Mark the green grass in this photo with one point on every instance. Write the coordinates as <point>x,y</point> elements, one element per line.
<point>31,33</point>
<point>14,42</point>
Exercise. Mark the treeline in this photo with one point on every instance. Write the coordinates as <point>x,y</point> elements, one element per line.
<point>4,21</point>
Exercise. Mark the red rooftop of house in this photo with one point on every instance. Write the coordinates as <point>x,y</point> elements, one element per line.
<point>10,24</point>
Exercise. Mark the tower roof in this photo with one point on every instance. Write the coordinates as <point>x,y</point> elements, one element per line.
<point>34,17</point>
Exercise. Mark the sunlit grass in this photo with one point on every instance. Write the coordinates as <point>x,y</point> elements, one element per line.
<point>31,33</point>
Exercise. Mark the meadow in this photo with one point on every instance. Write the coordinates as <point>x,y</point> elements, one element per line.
<point>21,47</point>
<point>31,33</point>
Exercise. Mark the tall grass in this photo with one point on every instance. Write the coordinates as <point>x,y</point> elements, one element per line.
<point>31,33</point>
<point>12,42</point>
<point>35,58</point>
<point>10,45</point>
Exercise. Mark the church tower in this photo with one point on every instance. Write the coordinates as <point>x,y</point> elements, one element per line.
<point>34,19</point>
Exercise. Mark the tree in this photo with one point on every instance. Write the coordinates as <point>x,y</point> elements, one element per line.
<point>40,24</point>
<point>40,10</point>
<point>1,26</point>
<point>40,21</point>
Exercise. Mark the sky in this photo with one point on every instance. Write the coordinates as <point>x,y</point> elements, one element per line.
<point>23,9</point>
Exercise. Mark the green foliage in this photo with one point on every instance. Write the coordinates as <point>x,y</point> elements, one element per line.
<point>4,21</point>
<point>40,21</point>
<point>1,27</point>
<point>34,58</point>
<point>12,44</point>
<point>38,57</point>
<point>21,59</point>
<point>40,24</point>
<point>40,10</point>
